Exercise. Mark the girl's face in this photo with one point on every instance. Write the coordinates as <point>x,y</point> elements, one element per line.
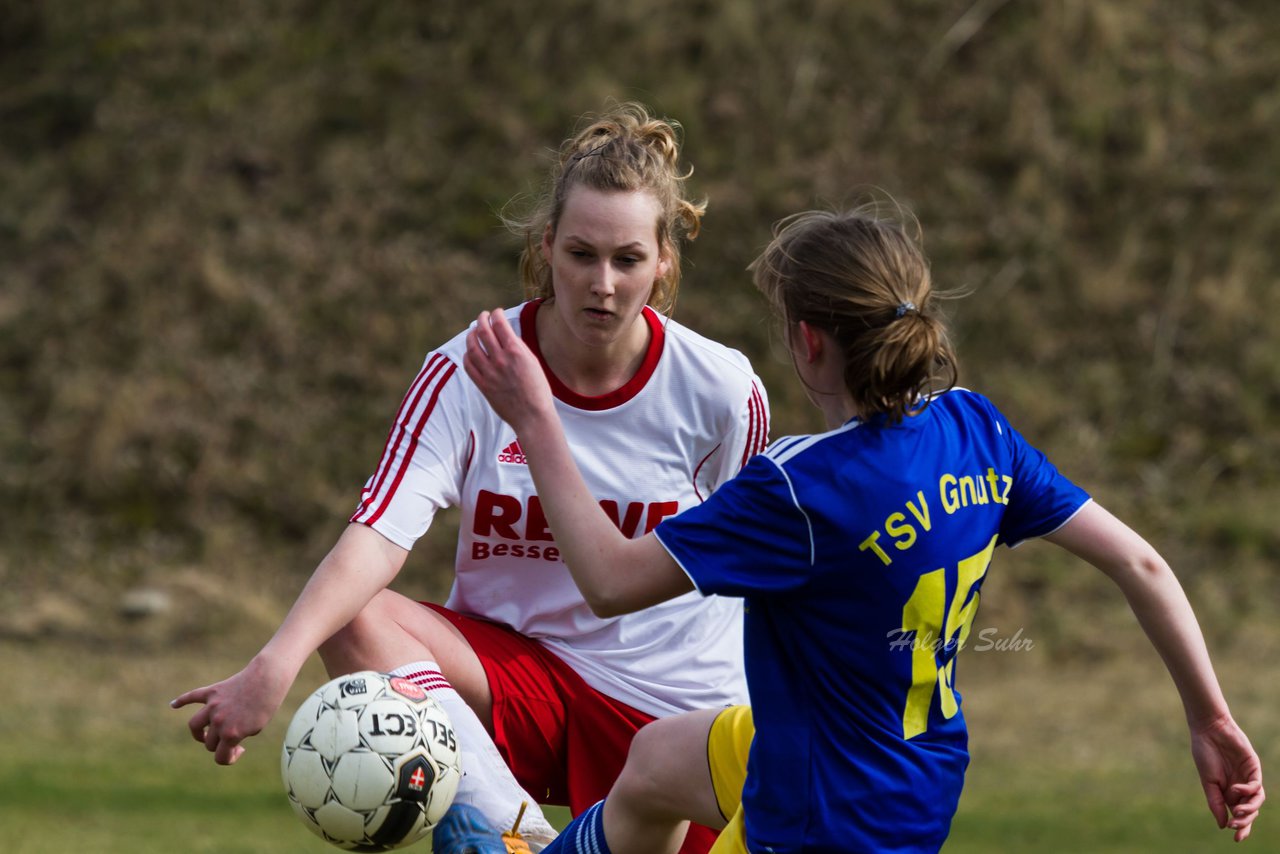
<point>604,257</point>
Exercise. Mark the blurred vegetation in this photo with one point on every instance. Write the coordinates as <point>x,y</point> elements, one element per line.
<point>230,232</point>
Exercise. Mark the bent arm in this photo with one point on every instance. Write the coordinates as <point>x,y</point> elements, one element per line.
<point>359,565</point>
<point>1230,770</point>
<point>615,574</point>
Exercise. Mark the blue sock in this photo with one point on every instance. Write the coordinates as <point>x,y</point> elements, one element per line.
<point>584,835</point>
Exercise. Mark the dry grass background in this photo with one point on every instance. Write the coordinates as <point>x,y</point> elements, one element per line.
<point>228,234</point>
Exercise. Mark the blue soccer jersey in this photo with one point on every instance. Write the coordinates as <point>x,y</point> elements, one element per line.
<point>860,553</point>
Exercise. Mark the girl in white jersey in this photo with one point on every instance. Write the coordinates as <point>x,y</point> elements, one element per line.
<point>860,552</point>
<point>658,417</point>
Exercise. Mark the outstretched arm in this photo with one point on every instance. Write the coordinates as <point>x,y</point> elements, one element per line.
<point>1230,770</point>
<point>359,565</point>
<point>616,575</point>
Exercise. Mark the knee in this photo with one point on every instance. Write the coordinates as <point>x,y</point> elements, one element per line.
<point>368,623</point>
<point>371,615</point>
<point>653,780</point>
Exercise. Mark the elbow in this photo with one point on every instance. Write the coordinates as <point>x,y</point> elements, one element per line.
<point>1152,565</point>
<point>1148,564</point>
<point>1144,569</point>
<point>600,590</point>
<point>608,600</point>
<point>604,606</point>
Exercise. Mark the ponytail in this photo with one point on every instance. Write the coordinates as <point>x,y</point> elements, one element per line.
<point>861,277</point>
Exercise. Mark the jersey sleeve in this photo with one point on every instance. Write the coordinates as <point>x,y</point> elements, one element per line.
<point>1040,500</point>
<point>750,537</point>
<point>747,436</point>
<point>424,458</point>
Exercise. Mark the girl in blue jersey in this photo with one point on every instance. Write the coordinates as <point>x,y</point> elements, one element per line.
<point>860,553</point>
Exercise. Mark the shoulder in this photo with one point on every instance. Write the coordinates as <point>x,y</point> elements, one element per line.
<point>970,409</point>
<point>689,346</point>
<point>960,398</point>
<point>708,375</point>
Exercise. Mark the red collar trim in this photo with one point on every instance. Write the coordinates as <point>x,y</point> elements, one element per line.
<point>608,400</point>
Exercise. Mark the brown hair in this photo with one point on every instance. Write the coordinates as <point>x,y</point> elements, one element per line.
<point>624,149</point>
<point>862,277</point>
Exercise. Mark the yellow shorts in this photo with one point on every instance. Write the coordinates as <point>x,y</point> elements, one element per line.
<point>727,747</point>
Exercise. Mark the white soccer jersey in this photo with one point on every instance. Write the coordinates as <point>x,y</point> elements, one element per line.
<point>688,420</point>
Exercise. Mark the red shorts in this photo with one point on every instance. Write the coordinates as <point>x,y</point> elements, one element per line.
<point>565,741</point>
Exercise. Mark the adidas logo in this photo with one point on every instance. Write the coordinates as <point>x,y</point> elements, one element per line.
<point>512,454</point>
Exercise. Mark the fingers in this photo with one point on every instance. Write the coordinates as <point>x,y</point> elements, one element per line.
<point>1217,804</point>
<point>228,751</point>
<point>476,362</point>
<point>199,725</point>
<point>1242,795</point>
<point>493,333</point>
<point>1243,826</point>
<point>1244,800</point>
<point>195,695</point>
<point>1245,809</point>
<point>199,722</point>
<point>505,335</point>
<point>481,343</point>
<point>484,334</point>
<point>223,744</point>
<point>490,345</point>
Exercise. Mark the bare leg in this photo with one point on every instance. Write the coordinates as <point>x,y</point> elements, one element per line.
<point>665,783</point>
<point>393,630</point>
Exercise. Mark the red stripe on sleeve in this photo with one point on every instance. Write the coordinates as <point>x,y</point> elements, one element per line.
<point>398,429</point>
<point>763,441</point>
<point>755,428</point>
<point>751,429</point>
<point>413,444</point>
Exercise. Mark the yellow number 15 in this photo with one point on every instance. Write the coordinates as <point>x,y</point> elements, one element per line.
<point>936,623</point>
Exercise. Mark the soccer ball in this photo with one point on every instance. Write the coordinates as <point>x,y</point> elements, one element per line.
<point>370,762</point>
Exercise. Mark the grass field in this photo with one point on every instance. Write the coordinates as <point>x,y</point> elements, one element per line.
<point>1065,760</point>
